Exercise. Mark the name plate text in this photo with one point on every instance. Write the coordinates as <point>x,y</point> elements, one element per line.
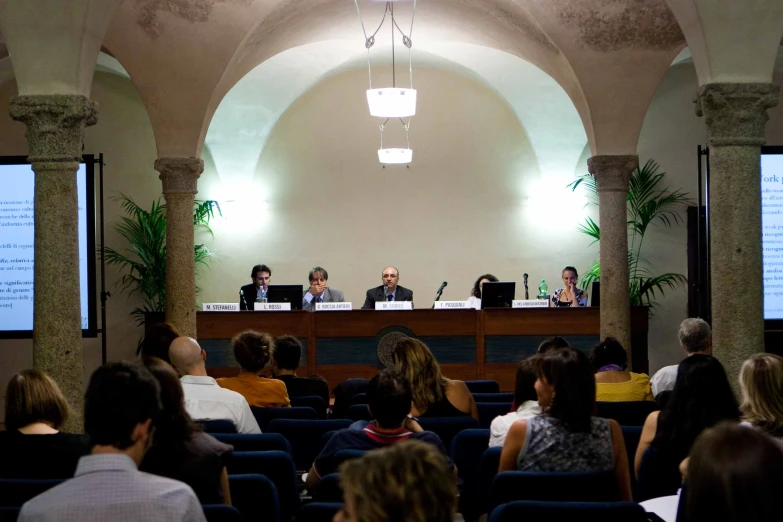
<point>394,305</point>
<point>452,305</point>
<point>221,307</point>
<point>272,307</point>
<point>530,303</point>
<point>331,307</point>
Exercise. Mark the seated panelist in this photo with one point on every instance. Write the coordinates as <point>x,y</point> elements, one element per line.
<point>318,291</point>
<point>389,290</point>
<point>474,301</point>
<point>570,295</point>
<point>261,275</point>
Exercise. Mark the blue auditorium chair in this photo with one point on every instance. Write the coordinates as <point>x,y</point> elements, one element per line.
<point>266,415</point>
<point>489,410</point>
<point>311,401</point>
<point>581,511</point>
<point>255,441</point>
<point>488,469</point>
<point>15,492</point>
<point>466,450</point>
<point>318,512</point>
<point>217,426</point>
<point>631,436</point>
<point>357,412</point>
<point>626,413</point>
<point>447,427</point>
<point>494,397</point>
<point>305,436</point>
<point>359,398</point>
<point>659,475</point>
<point>485,386</point>
<point>221,513</point>
<point>329,489</point>
<point>255,496</point>
<point>277,466</point>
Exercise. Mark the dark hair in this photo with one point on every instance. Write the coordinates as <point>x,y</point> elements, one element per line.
<point>174,426</point>
<point>252,349</point>
<point>570,373</point>
<point>570,269</point>
<point>735,474</point>
<point>702,397</point>
<point>287,352</point>
<point>157,339</point>
<point>32,396</point>
<point>552,343</point>
<point>260,268</point>
<point>389,398</point>
<point>120,396</point>
<point>317,270</point>
<point>476,292</point>
<point>525,389</point>
<point>609,351</point>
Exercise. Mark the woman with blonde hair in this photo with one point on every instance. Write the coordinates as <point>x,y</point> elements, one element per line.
<point>433,394</point>
<point>761,384</point>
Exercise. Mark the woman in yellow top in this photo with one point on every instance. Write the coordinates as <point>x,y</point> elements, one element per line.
<point>613,382</point>
<point>253,350</point>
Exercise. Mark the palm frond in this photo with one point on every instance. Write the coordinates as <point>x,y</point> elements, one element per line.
<point>590,228</point>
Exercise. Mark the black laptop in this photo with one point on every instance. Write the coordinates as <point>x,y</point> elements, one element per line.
<point>497,295</point>
<point>285,294</point>
<point>595,296</point>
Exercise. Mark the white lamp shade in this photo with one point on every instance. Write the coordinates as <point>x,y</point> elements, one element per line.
<point>392,102</point>
<point>395,156</point>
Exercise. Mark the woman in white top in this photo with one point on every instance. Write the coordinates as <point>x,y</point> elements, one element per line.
<point>761,384</point>
<point>525,402</point>
<point>474,301</point>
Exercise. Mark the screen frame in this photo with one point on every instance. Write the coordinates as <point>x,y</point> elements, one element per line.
<point>777,150</point>
<point>92,312</point>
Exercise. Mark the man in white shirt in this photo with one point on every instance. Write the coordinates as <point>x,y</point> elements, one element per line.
<point>204,398</point>
<point>695,336</point>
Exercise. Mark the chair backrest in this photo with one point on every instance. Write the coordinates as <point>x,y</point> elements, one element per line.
<point>255,441</point>
<point>572,486</point>
<point>305,436</point>
<point>359,398</point>
<point>277,466</point>
<point>626,413</point>
<point>255,496</point>
<point>266,415</point>
<point>488,469</point>
<point>221,513</point>
<point>659,475</point>
<point>484,386</point>
<point>311,401</point>
<point>357,412</point>
<point>631,436</point>
<point>494,397</point>
<point>318,511</point>
<point>329,489</point>
<point>218,426</point>
<point>15,492</point>
<point>466,450</point>
<point>9,514</point>
<point>489,410</point>
<point>581,511</point>
<point>447,427</point>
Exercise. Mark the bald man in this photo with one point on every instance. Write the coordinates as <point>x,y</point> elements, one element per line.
<point>204,398</point>
<point>389,290</point>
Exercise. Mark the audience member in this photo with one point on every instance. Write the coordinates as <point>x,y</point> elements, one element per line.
<point>285,361</point>
<point>253,350</point>
<point>389,395</point>
<point>566,437</point>
<point>433,394</point>
<point>702,397</point>
<point>695,337</point>
<point>525,401</point>
<point>157,339</point>
<point>735,474</point>
<point>552,343</point>
<point>121,406</point>
<point>180,450</point>
<point>407,482</point>
<point>204,398</point>
<point>33,446</point>
<point>761,384</point>
<point>613,382</point>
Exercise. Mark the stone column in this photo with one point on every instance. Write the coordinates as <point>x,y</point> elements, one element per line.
<point>736,114</point>
<point>55,133</point>
<point>180,179</point>
<point>612,176</point>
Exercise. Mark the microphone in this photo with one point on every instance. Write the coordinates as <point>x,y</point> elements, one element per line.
<point>524,276</point>
<point>440,291</point>
<point>243,305</point>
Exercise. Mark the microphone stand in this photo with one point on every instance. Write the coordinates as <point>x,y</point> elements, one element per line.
<point>437,297</point>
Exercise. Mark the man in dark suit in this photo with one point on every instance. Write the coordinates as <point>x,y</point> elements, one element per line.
<point>261,275</point>
<point>389,290</point>
<point>318,291</point>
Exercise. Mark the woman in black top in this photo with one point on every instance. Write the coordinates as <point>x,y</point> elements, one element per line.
<point>33,447</point>
<point>180,450</point>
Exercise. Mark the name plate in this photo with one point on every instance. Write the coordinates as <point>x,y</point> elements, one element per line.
<point>452,305</point>
<point>272,307</point>
<point>221,307</point>
<point>394,305</point>
<point>530,303</point>
<point>332,307</point>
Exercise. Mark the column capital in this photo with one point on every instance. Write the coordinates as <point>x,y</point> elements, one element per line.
<point>55,124</point>
<point>736,113</point>
<point>612,173</point>
<point>179,175</point>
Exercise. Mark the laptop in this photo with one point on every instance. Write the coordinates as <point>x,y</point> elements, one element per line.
<point>285,294</point>
<point>595,294</point>
<point>497,295</point>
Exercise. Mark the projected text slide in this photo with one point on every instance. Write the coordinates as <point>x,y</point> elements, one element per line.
<point>772,233</point>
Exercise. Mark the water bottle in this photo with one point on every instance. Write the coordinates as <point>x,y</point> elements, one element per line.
<point>542,289</point>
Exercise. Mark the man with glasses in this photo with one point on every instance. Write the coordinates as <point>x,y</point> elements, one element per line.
<point>389,290</point>
<point>261,275</point>
<point>318,291</point>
